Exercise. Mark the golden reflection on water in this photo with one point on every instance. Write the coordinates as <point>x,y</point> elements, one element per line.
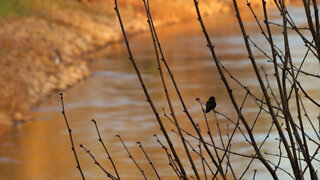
<point>113,96</point>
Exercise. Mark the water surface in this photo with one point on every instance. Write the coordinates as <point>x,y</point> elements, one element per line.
<point>113,97</point>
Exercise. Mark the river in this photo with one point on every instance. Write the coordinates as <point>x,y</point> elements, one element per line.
<point>113,97</point>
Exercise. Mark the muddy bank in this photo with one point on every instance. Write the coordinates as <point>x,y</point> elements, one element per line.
<point>31,68</point>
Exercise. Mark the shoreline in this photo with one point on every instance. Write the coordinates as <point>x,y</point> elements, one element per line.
<point>31,67</point>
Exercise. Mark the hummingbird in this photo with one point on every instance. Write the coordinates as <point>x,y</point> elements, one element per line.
<point>211,104</point>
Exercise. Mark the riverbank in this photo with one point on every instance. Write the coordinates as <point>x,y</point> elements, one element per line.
<point>43,45</point>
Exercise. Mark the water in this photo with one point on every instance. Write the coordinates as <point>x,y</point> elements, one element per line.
<point>113,97</point>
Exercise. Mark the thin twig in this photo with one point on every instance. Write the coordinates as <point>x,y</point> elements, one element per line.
<point>149,100</point>
<point>105,148</point>
<point>70,135</point>
<point>153,35</point>
<point>130,156</point>
<point>185,110</point>
<point>97,163</point>
<point>171,161</point>
<point>150,162</point>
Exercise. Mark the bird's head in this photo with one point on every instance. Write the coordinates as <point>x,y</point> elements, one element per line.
<point>212,98</point>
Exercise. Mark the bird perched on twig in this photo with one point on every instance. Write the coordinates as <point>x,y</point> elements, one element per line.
<point>211,104</point>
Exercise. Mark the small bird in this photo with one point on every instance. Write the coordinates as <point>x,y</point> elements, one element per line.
<point>211,104</point>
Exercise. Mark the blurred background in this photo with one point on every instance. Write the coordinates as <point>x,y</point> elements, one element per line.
<point>48,46</point>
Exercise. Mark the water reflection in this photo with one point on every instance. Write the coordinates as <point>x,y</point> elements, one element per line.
<point>113,96</point>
